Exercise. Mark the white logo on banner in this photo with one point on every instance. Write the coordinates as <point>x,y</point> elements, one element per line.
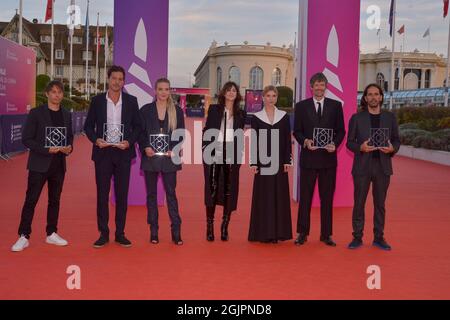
<point>11,55</point>
<point>16,132</point>
<point>333,59</point>
<point>140,51</point>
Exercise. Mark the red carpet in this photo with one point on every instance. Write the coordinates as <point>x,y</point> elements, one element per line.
<point>418,224</point>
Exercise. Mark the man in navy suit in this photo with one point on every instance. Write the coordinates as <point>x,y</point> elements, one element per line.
<point>113,108</point>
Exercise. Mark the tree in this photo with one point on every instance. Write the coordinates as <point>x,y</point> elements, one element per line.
<point>285,97</point>
<point>41,82</point>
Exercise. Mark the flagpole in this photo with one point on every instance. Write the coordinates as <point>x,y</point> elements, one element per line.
<point>105,46</point>
<point>96,58</point>
<point>447,77</point>
<point>52,46</point>
<point>71,31</point>
<point>71,64</point>
<point>20,22</point>
<point>87,51</point>
<point>394,31</point>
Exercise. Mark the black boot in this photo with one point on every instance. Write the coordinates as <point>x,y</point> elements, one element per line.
<point>224,227</point>
<point>210,223</point>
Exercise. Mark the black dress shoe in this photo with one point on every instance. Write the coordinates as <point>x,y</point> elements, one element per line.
<point>124,242</point>
<point>301,239</point>
<point>328,241</point>
<point>382,244</point>
<point>355,244</point>
<point>101,242</point>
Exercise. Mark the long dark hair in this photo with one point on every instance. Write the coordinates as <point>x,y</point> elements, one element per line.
<point>237,102</point>
<point>364,104</point>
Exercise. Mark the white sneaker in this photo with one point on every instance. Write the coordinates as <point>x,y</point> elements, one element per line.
<point>56,240</point>
<point>20,244</point>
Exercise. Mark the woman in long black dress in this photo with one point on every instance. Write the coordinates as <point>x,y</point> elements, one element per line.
<point>270,219</point>
<point>221,160</point>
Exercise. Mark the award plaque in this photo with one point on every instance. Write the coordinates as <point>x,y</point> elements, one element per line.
<point>379,137</point>
<point>113,133</point>
<point>160,143</point>
<point>322,137</point>
<point>55,137</point>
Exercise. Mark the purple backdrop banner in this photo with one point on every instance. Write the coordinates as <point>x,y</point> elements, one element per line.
<point>141,31</point>
<point>17,77</point>
<point>11,127</point>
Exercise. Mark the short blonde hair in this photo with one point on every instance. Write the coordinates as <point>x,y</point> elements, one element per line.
<point>270,88</point>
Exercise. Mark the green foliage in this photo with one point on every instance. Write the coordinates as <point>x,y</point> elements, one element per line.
<point>41,82</point>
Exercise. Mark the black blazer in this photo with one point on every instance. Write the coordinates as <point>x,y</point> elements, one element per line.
<point>97,116</point>
<point>214,121</point>
<point>306,119</point>
<point>33,137</point>
<point>150,121</point>
<point>359,131</point>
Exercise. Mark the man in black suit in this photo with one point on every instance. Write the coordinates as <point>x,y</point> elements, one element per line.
<point>317,163</point>
<point>372,163</point>
<point>46,163</point>
<point>113,108</point>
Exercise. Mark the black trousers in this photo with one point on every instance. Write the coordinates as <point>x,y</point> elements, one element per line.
<point>380,184</point>
<point>105,169</point>
<point>36,181</point>
<point>170,184</point>
<point>327,186</point>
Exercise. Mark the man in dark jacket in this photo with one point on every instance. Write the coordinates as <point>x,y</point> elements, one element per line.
<point>113,115</point>
<point>48,135</point>
<point>374,139</point>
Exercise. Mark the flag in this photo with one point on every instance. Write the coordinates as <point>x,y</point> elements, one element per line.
<point>391,17</point>
<point>98,34</point>
<point>427,33</point>
<point>72,17</point>
<point>445,7</point>
<point>106,40</point>
<point>86,25</point>
<point>401,30</point>
<point>378,31</point>
<point>49,11</point>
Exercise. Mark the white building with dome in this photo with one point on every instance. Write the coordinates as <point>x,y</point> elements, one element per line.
<point>250,66</point>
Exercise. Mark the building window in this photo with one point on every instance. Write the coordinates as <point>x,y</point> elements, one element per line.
<point>59,54</point>
<point>276,77</point>
<point>59,71</point>
<point>76,40</point>
<point>256,78</point>
<point>89,55</point>
<point>219,79</point>
<point>397,80</point>
<point>380,80</point>
<point>46,39</point>
<point>427,79</point>
<point>235,75</point>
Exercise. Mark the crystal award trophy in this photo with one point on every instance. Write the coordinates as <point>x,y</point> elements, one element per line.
<point>379,137</point>
<point>113,133</point>
<point>160,143</point>
<point>322,137</point>
<point>55,137</point>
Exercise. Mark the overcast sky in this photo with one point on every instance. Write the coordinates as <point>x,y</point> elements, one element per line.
<point>194,24</point>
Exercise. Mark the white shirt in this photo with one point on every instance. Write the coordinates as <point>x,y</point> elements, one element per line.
<point>321,103</point>
<point>228,130</point>
<point>113,111</point>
